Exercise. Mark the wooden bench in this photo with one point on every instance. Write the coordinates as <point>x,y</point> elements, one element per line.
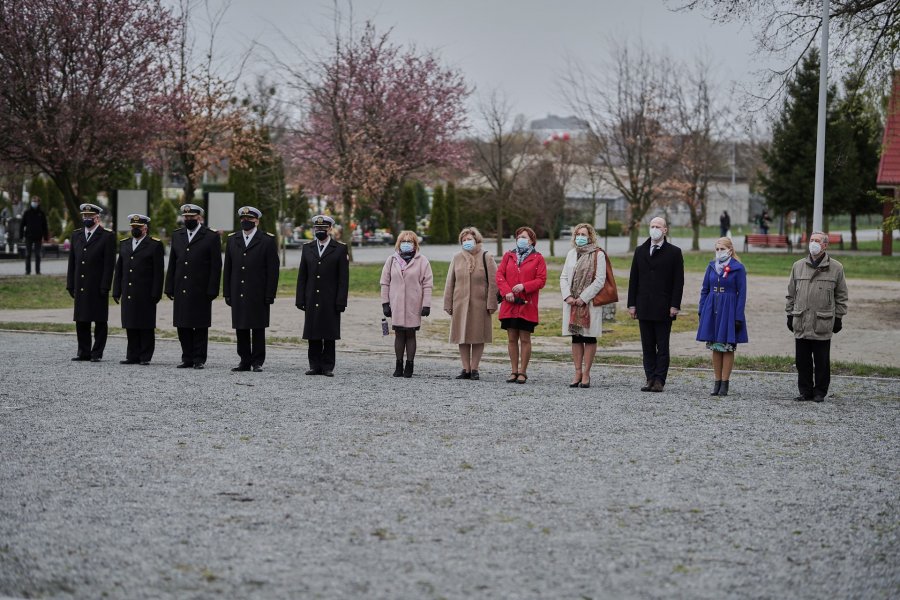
<point>46,249</point>
<point>833,238</point>
<point>767,240</point>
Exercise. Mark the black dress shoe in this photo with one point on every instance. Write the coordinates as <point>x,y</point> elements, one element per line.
<point>241,368</point>
<point>185,365</point>
<point>474,376</point>
<point>127,362</point>
<point>80,358</point>
<point>647,388</point>
<point>464,375</point>
<point>313,372</point>
<point>818,398</point>
<point>802,398</point>
<point>657,386</point>
<point>144,363</point>
<point>95,359</point>
<point>328,373</point>
<point>199,365</point>
<point>257,369</point>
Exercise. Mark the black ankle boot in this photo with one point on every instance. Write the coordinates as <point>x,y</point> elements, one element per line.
<point>408,371</point>
<point>716,389</point>
<point>398,369</point>
<point>723,391</point>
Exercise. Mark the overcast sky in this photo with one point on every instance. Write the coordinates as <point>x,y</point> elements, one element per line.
<point>516,46</point>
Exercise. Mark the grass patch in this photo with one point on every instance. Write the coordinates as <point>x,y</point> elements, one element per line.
<point>46,291</point>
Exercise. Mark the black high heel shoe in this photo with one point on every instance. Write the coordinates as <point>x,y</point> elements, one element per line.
<point>464,375</point>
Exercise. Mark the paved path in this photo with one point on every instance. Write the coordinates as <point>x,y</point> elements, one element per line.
<point>153,482</point>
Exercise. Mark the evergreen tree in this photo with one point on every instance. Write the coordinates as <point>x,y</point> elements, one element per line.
<point>791,159</point>
<point>437,230</point>
<point>421,199</point>
<point>38,188</point>
<point>408,207</point>
<point>453,225</point>
<point>164,218</point>
<point>54,222</point>
<point>241,182</point>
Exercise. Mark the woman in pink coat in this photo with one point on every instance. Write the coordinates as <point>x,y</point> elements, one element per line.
<point>406,283</point>
<point>520,278</point>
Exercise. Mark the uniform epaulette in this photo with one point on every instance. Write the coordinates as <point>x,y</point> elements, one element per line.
<point>179,229</point>
<point>232,233</point>
<point>155,239</point>
<point>213,230</point>
<point>270,234</point>
<point>124,239</point>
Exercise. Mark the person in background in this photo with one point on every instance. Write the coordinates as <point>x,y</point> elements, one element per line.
<point>583,276</point>
<point>723,296</point>
<point>764,222</point>
<point>138,287</point>
<point>655,287</point>
<point>470,298</point>
<point>521,276</point>
<point>406,284</point>
<point>34,230</point>
<point>192,282</point>
<point>724,224</point>
<point>816,305</point>
<point>249,286</point>
<point>89,277</point>
<point>323,280</point>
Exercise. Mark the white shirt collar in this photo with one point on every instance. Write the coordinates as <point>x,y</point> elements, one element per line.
<point>248,235</point>
<point>135,242</point>
<point>90,231</point>
<point>321,247</point>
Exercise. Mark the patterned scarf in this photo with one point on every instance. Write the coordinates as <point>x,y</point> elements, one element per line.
<point>472,257</point>
<point>523,253</point>
<point>403,259</point>
<point>582,276</point>
<point>720,266</point>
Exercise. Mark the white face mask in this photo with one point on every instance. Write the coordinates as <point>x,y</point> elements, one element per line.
<point>722,255</point>
<point>34,205</point>
<point>406,246</point>
<point>655,234</point>
<point>815,248</point>
<point>581,240</point>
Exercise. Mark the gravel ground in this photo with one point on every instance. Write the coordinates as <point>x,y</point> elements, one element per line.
<point>152,482</point>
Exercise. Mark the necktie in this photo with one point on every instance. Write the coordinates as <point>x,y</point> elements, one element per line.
<point>88,238</point>
<point>653,249</point>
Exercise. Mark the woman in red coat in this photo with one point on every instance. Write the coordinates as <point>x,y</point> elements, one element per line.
<point>520,277</point>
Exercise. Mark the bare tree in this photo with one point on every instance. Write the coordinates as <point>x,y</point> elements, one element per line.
<point>700,123</point>
<point>628,107</point>
<point>501,154</point>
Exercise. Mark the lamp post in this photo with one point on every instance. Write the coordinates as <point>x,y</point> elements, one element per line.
<point>819,193</point>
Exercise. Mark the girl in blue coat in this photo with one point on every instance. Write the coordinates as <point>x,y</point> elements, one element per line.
<point>722,322</point>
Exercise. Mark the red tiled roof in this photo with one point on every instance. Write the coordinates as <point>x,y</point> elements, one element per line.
<point>889,167</point>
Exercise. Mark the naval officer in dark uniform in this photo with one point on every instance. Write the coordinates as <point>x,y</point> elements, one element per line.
<point>192,281</point>
<point>91,262</point>
<point>322,283</point>
<point>137,286</point>
<point>251,281</point>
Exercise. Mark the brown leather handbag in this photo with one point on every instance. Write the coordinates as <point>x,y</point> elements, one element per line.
<point>609,294</point>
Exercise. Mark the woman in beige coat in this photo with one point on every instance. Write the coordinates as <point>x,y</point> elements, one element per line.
<point>470,298</point>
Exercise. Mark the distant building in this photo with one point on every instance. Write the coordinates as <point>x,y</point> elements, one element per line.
<point>544,129</point>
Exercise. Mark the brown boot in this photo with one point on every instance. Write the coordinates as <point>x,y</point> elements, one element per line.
<point>657,386</point>
<point>647,387</point>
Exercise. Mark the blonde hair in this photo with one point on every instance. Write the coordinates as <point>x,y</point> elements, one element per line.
<point>473,231</point>
<point>592,235</point>
<point>728,244</point>
<point>404,236</point>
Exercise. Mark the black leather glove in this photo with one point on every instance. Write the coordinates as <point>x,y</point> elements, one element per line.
<point>116,298</point>
<point>790,322</point>
<point>71,293</point>
<point>838,325</point>
<point>270,300</point>
<point>426,310</point>
<point>738,326</point>
<point>341,309</point>
<point>386,309</point>
<point>228,300</point>
<point>302,307</point>
<point>170,296</point>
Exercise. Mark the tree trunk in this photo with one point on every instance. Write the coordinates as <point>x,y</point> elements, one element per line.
<point>64,183</point>
<point>695,227</point>
<point>552,234</point>
<point>499,224</point>
<point>633,237</point>
<point>347,210</point>
<point>189,189</point>
<point>853,243</point>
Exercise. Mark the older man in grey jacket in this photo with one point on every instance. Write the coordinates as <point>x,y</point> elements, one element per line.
<point>816,305</point>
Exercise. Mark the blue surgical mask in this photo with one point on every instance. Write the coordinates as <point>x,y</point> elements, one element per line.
<point>581,240</point>
<point>406,246</point>
<point>522,243</point>
<point>468,245</point>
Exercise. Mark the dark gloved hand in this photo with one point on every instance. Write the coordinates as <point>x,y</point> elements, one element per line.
<point>270,300</point>
<point>71,293</point>
<point>386,309</point>
<point>738,326</point>
<point>838,325</point>
<point>170,296</point>
<point>302,307</point>
<point>790,322</point>
<point>116,298</point>
<point>341,309</point>
<point>426,310</point>
<point>228,300</point>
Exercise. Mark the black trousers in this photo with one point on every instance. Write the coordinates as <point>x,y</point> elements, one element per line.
<point>321,355</point>
<point>655,346</point>
<point>36,247</point>
<point>251,346</point>
<point>813,357</point>
<point>141,343</point>
<point>194,344</point>
<point>83,332</point>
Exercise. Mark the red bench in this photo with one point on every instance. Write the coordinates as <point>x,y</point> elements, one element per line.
<point>833,238</point>
<point>767,240</point>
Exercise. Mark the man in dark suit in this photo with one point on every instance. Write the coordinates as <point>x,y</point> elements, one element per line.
<point>34,231</point>
<point>251,281</point>
<point>91,262</point>
<point>322,284</point>
<point>137,286</point>
<point>192,281</point>
<point>654,298</point>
